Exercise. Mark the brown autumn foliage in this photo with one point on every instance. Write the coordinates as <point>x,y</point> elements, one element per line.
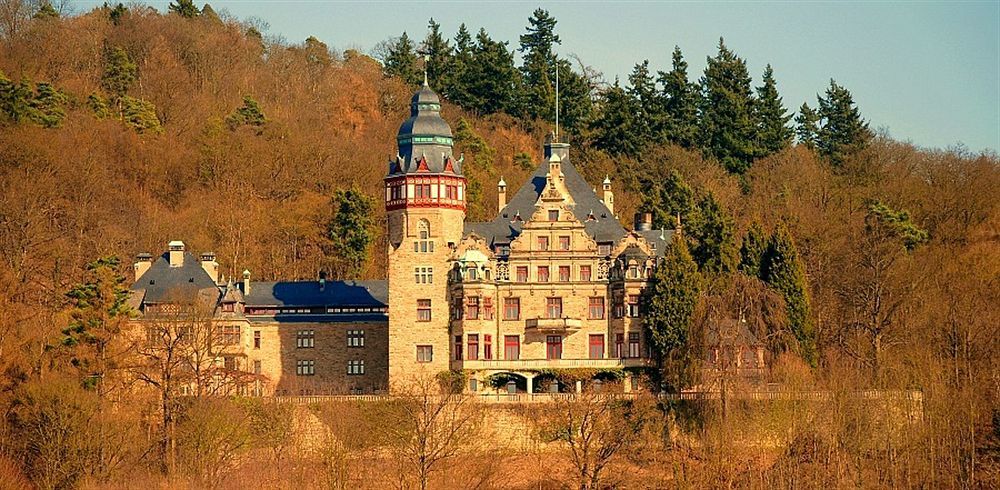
<point>260,198</point>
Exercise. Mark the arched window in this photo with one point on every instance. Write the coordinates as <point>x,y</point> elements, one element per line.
<point>424,244</point>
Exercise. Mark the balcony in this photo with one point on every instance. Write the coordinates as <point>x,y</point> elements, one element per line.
<point>552,325</point>
<point>536,364</point>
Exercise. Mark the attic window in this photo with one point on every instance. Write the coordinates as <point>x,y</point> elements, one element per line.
<point>191,280</point>
<point>553,215</point>
<point>152,281</point>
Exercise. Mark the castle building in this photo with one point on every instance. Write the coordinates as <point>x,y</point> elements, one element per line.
<point>552,283</point>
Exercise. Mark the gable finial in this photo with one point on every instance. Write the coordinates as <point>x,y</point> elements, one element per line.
<point>427,59</point>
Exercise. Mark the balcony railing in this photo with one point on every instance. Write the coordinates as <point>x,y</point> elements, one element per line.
<point>553,325</point>
<point>535,364</point>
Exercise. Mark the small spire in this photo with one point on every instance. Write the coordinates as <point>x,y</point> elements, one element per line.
<point>502,183</point>
<point>427,59</point>
<point>607,179</point>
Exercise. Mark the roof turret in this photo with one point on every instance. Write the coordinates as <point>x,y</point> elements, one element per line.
<point>425,139</point>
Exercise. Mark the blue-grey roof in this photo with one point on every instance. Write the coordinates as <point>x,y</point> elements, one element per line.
<point>320,318</point>
<point>603,228</point>
<point>308,293</point>
<point>163,284</point>
<point>659,238</point>
<point>425,136</point>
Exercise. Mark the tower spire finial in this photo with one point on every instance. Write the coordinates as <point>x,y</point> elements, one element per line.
<point>427,59</point>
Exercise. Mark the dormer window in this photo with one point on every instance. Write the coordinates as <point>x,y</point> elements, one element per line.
<point>553,215</point>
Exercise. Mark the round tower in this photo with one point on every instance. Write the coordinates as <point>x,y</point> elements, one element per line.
<point>425,214</point>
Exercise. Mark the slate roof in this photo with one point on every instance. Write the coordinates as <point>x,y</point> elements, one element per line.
<point>604,228</point>
<point>425,121</point>
<point>659,238</point>
<point>308,293</point>
<point>162,283</point>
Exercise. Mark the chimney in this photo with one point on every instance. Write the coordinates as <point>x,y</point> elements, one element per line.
<point>246,282</point>
<point>501,194</point>
<point>210,265</point>
<point>643,221</point>
<point>176,249</point>
<point>142,264</point>
<point>609,197</point>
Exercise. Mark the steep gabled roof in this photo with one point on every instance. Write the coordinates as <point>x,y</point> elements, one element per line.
<point>603,228</point>
<point>164,284</point>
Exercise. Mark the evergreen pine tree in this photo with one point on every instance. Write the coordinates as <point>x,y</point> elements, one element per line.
<point>140,115</point>
<point>576,109</point>
<point>752,250</point>
<point>439,55</point>
<point>615,128</point>
<point>679,99</point>
<point>46,11</point>
<point>119,72</point>
<point>117,14</point>
<point>642,90</point>
<point>455,86</point>
<point>249,114</point>
<point>402,62</point>
<point>771,117</point>
<point>843,132</point>
<point>727,124</point>
<point>897,223</point>
<point>806,126</point>
<point>491,81</point>
<point>668,199</point>
<point>712,231</point>
<point>782,269</point>
<point>184,8</point>
<point>100,310</point>
<point>99,106</point>
<point>351,231</point>
<point>538,68</point>
<point>669,304</point>
<point>47,106</point>
<point>15,100</point>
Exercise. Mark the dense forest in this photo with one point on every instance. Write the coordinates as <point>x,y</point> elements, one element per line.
<point>866,262</point>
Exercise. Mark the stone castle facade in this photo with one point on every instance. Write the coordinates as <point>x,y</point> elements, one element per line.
<point>551,285</point>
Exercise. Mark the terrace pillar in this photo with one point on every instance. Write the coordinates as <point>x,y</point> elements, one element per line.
<point>579,386</point>
<point>627,383</point>
<point>530,383</point>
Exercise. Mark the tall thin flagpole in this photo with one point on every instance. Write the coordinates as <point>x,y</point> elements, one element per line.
<point>557,100</point>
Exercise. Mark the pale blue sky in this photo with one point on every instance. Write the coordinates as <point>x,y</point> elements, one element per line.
<point>929,72</point>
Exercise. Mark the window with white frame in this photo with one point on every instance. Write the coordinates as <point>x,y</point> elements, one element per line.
<point>305,339</point>
<point>305,367</point>
<point>355,338</point>
<point>355,367</point>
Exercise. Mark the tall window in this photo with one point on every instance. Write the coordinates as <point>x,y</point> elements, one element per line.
<point>633,344</point>
<point>356,367</point>
<point>522,274</point>
<point>487,308</point>
<point>596,310</point>
<point>585,273</point>
<point>563,273</point>
<point>487,346</point>
<point>633,305</point>
<point>633,271</point>
<point>553,215</point>
<point>458,347</point>
<point>543,273</point>
<point>604,249</point>
<point>355,338</point>
<point>305,339</point>
<point>423,310</point>
<point>619,345</point>
<point>564,243</point>
<point>473,351</point>
<point>543,243</point>
<point>256,367</point>
<point>425,353</point>
<point>597,346</point>
<point>423,275</point>
<point>305,367</point>
<point>256,339</point>
<point>553,347</point>
<point>472,308</point>
<point>511,347</point>
<point>511,308</point>
<point>553,307</point>
<point>424,244</point>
